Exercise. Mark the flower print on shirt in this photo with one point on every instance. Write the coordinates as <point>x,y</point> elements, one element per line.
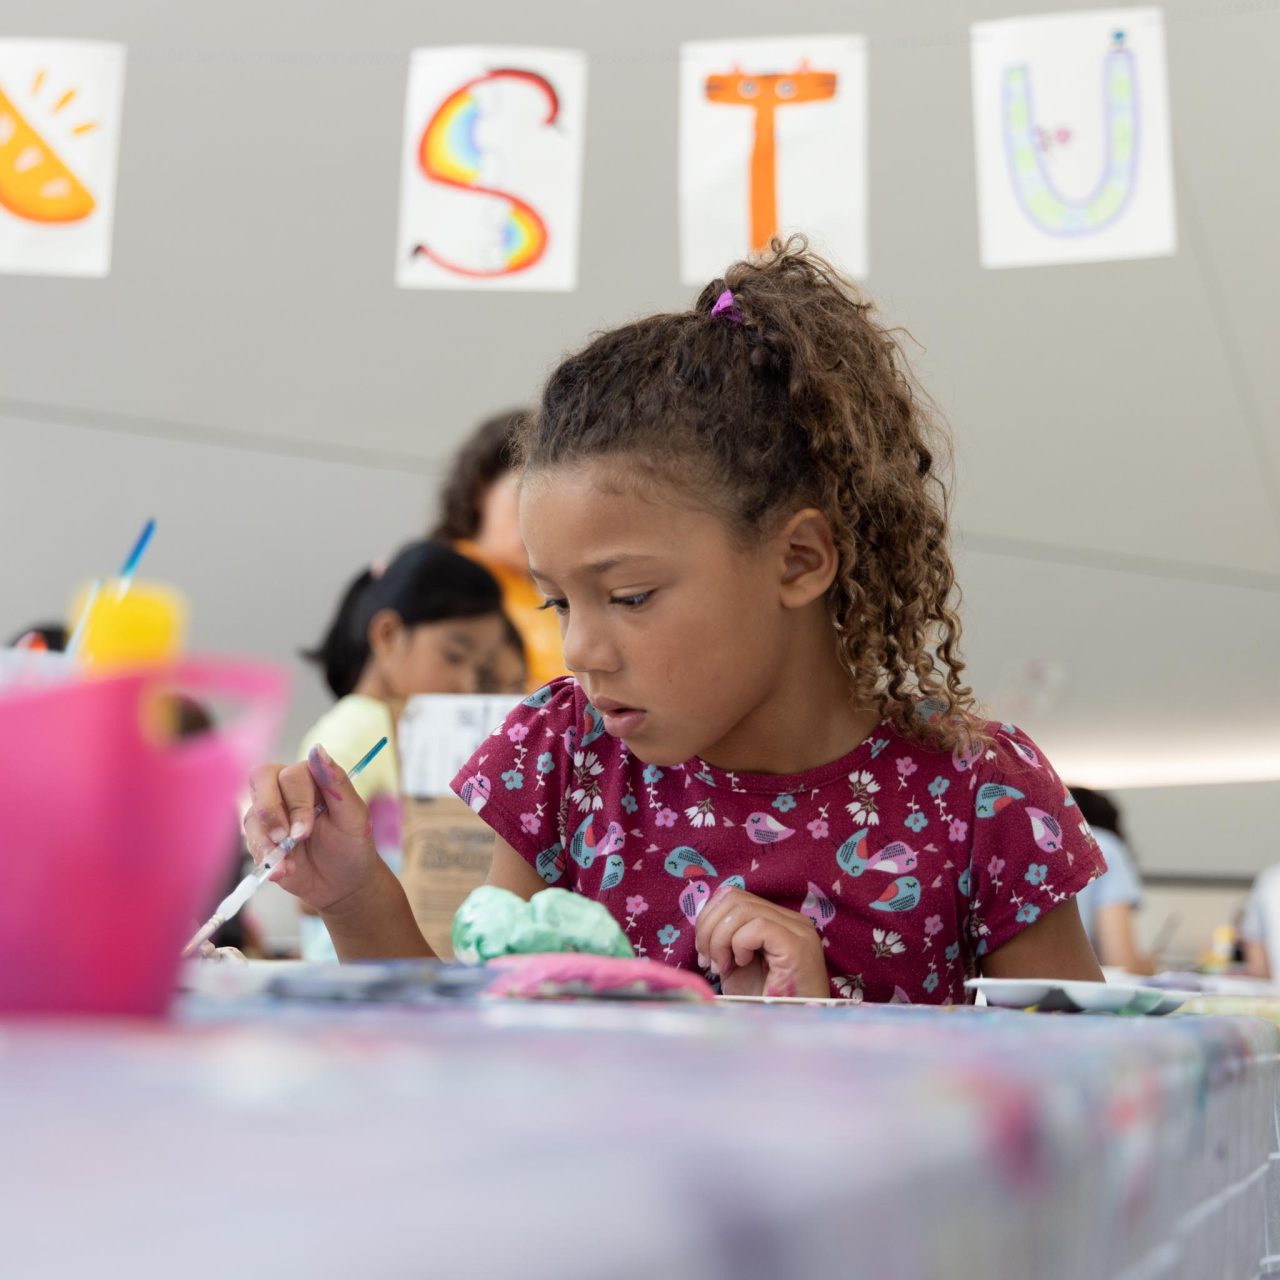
<point>886,943</point>
<point>862,808</point>
<point>701,814</point>
<point>849,986</point>
<point>586,780</point>
<point>901,882</point>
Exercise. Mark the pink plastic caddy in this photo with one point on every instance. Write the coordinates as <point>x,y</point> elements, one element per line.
<point>113,844</point>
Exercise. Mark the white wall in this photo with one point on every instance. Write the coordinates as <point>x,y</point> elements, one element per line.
<point>1212,831</point>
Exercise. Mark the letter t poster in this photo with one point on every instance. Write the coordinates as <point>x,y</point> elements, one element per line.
<point>491,169</point>
<point>773,140</point>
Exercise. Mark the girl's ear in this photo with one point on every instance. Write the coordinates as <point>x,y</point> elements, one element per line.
<point>807,556</point>
<point>384,631</point>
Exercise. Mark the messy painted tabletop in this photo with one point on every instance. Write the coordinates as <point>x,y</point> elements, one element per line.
<point>495,1138</point>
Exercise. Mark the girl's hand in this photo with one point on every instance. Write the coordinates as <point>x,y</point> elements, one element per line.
<point>335,856</point>
<point>759,948</point>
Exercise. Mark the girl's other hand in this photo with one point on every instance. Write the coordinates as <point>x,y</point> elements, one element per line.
<point>759,948</point>
<point>335,855</point>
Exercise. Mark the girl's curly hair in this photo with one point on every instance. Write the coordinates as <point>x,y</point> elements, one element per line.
<point>796,397</point>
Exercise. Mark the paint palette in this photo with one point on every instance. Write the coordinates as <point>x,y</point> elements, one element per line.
<point>1048,995</point>
<point>395,981</point>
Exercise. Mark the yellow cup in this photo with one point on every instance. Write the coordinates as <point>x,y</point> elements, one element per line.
<point>147,624</point>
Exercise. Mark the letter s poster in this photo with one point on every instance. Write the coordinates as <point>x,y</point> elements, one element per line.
<point>491,169</point>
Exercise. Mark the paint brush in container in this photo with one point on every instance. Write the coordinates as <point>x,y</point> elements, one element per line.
<point>123,582</point>
<point>130,566</point>
<point>263,872</point>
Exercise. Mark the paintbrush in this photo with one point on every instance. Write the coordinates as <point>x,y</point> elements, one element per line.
<point>125,580</point>
<point>256,878</point>
<point>130,566</point>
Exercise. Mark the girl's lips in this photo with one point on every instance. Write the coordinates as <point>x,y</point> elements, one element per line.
<point>622,721</point>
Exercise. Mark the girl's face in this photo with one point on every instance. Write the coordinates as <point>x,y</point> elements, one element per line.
<point>434,657</point>
<point>675,633</point>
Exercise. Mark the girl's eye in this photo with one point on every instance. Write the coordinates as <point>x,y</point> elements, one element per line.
<point>631,602</point>
<point>456,659</point>
<point>560,606</point>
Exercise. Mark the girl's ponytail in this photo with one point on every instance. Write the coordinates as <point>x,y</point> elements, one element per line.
<point>343,652</point>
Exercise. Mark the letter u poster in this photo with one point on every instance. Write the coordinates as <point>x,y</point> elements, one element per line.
<point>1072,133</point>
<point>773,139</point>
<point>491,169</point>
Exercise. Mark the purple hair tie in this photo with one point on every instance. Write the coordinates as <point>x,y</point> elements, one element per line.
<point>727,306</point>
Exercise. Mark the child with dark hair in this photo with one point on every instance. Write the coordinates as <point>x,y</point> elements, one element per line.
<point>479,516</point>
<point>767,764</point>
<point>430,621</point>
<point>509,671</point>
<point>49,636</point>
<point>1109,904</point>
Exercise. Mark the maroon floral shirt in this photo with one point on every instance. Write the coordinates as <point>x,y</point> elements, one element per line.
<point>910,862</point>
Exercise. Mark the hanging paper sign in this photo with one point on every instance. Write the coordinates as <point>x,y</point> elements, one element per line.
<point>1071,129</point>
<point>60,103</point>
<point>491,170</point>
<point>773,140</point>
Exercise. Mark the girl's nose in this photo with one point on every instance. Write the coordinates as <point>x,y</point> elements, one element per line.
<point>585,649</point>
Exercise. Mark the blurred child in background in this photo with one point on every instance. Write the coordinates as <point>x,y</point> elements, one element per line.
<point>430,621</point>
<point>479,516</point>
<point>509,672</point>
<point>1260,925</point>
<point>1109,905</point>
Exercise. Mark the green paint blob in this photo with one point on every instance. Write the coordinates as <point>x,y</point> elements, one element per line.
<point>493,922</point>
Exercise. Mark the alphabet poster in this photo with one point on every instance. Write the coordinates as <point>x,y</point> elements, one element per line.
<point>773,140</point>
<point>60,104</point>
<point>491,169</point>
<point>1071,127</point>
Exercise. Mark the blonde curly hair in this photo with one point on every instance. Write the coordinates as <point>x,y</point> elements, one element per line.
<point>794,396</point>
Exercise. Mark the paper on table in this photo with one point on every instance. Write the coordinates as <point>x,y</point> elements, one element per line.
<point>439,732</point>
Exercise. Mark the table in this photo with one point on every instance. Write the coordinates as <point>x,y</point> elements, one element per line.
<point>608,1140</point>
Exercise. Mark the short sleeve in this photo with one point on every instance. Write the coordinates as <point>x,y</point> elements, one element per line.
<point>1031,848</point>
<point>1120,883</point>
<point>517,779</point>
